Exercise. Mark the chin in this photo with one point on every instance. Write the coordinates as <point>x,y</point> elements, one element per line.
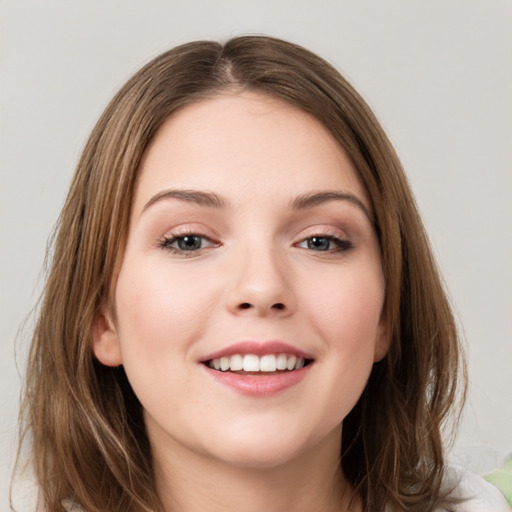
<point>260,459</point>
<point>263,452</point>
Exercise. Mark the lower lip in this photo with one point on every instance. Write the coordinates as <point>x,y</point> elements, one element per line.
<point>260,386</point>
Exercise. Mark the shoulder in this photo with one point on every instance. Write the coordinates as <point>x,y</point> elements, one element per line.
<point>470,492</point>
<point>475,493</point>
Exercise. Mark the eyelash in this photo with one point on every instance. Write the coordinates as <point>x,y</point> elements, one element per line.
<point>167,241</point>
<point>341,245</point>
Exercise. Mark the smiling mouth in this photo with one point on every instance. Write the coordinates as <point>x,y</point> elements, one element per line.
<point>251,364</point>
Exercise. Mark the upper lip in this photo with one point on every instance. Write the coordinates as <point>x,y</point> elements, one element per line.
<point>258,349</point>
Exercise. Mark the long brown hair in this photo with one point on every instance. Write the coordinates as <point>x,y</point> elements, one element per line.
<point>83,421</point>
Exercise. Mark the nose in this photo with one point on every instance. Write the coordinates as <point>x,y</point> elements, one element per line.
<point>261,285</point>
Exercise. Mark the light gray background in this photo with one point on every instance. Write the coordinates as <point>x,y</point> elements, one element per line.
<point>437,73</point>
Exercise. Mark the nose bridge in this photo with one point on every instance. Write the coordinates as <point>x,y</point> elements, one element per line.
<point>261,280</point>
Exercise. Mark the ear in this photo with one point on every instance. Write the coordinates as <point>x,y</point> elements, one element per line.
<point>382,341</point>
<point>105,341</point>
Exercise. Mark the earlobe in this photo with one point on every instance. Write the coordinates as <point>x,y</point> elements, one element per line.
<point>382,343</point>
<point>105,341</point>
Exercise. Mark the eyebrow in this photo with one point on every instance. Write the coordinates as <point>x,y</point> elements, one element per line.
<point>302,202</point>
<point>208,199</point>
<point>312,199</point>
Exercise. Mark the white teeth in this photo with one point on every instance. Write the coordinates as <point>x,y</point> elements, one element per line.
<point>253,363</point>
<point>290,363</point>
<point>268,363</point>
<point>224,363</point>
<point>281,362</point>
<point>237,363</point>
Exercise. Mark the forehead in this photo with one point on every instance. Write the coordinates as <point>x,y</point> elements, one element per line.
<point>245,145</point>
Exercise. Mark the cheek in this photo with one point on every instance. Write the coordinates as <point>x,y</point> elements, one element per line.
<point>347,307</point>
<point>158,308</point>
<point>346,316</point>
<point>159,317</point>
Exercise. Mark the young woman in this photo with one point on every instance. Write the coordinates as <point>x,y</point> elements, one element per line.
<point>242,311</point>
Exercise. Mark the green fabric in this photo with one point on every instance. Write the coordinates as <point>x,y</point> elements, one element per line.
<point>502,479</point>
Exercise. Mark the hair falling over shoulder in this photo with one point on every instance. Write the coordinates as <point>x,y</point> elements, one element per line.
<point>81,420</point>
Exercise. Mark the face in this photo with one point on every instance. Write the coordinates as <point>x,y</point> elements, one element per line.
<point>248,305</point>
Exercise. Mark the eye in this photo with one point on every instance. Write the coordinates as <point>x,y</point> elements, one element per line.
<point>324,243</point>
<point>186,244</point>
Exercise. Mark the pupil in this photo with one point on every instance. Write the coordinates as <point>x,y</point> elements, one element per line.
<point>319,243</point>
<point>189,243</point>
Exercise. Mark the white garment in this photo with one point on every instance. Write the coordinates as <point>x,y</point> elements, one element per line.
<point>475,493</point>
<point>478,495</point>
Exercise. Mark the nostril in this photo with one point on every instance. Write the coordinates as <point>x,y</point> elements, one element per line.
<point>247,305</point>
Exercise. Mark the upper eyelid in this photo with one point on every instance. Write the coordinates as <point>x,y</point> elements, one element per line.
<point>310,231</point>
<point>324,230</point>
<point>295,228</point>
<point>192,228</point>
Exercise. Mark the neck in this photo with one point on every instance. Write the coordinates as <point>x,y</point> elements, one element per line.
<point>189,482</point>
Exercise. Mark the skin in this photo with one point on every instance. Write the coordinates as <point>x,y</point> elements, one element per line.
<point>255,276</point>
